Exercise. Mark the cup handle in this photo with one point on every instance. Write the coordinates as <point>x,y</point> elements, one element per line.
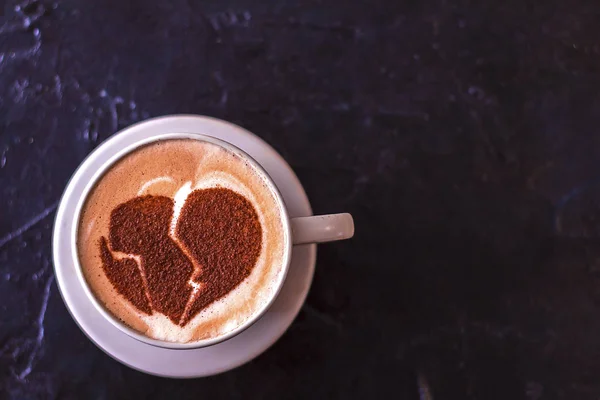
<point>322,228</point>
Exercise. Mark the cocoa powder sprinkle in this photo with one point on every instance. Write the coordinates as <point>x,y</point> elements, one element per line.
<point>125,277</point>
<point>217,227</point>
<point>223,233</point>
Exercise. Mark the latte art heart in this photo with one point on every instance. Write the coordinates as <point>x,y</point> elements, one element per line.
<point>182,240</point>
<point>217,228</point>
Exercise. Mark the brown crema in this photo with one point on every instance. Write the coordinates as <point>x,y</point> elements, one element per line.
<point>182,240</point>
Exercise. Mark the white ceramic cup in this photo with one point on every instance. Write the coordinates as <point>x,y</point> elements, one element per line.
<point>297,231</point>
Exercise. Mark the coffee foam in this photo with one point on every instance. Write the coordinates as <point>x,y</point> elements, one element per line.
<point>175,168</point>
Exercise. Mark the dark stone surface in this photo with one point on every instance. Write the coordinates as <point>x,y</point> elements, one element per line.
<point>462,135</point>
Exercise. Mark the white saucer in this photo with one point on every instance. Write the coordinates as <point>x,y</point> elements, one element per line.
<point>196,362</point>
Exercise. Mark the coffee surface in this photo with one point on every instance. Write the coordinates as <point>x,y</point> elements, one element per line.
<point>182,240</point>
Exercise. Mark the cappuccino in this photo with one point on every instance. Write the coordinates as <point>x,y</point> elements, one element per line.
<point>182,240</point>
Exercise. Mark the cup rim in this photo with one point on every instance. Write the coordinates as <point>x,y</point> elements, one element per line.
<point>120,154</point>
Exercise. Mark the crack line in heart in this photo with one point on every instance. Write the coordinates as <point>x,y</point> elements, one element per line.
<point>119,255</point>
<point>178,203</point>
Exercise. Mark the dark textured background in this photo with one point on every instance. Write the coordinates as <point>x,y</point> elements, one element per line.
<point>462,135</point>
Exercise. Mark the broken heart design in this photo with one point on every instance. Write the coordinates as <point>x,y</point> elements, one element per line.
<point>180,271</point>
